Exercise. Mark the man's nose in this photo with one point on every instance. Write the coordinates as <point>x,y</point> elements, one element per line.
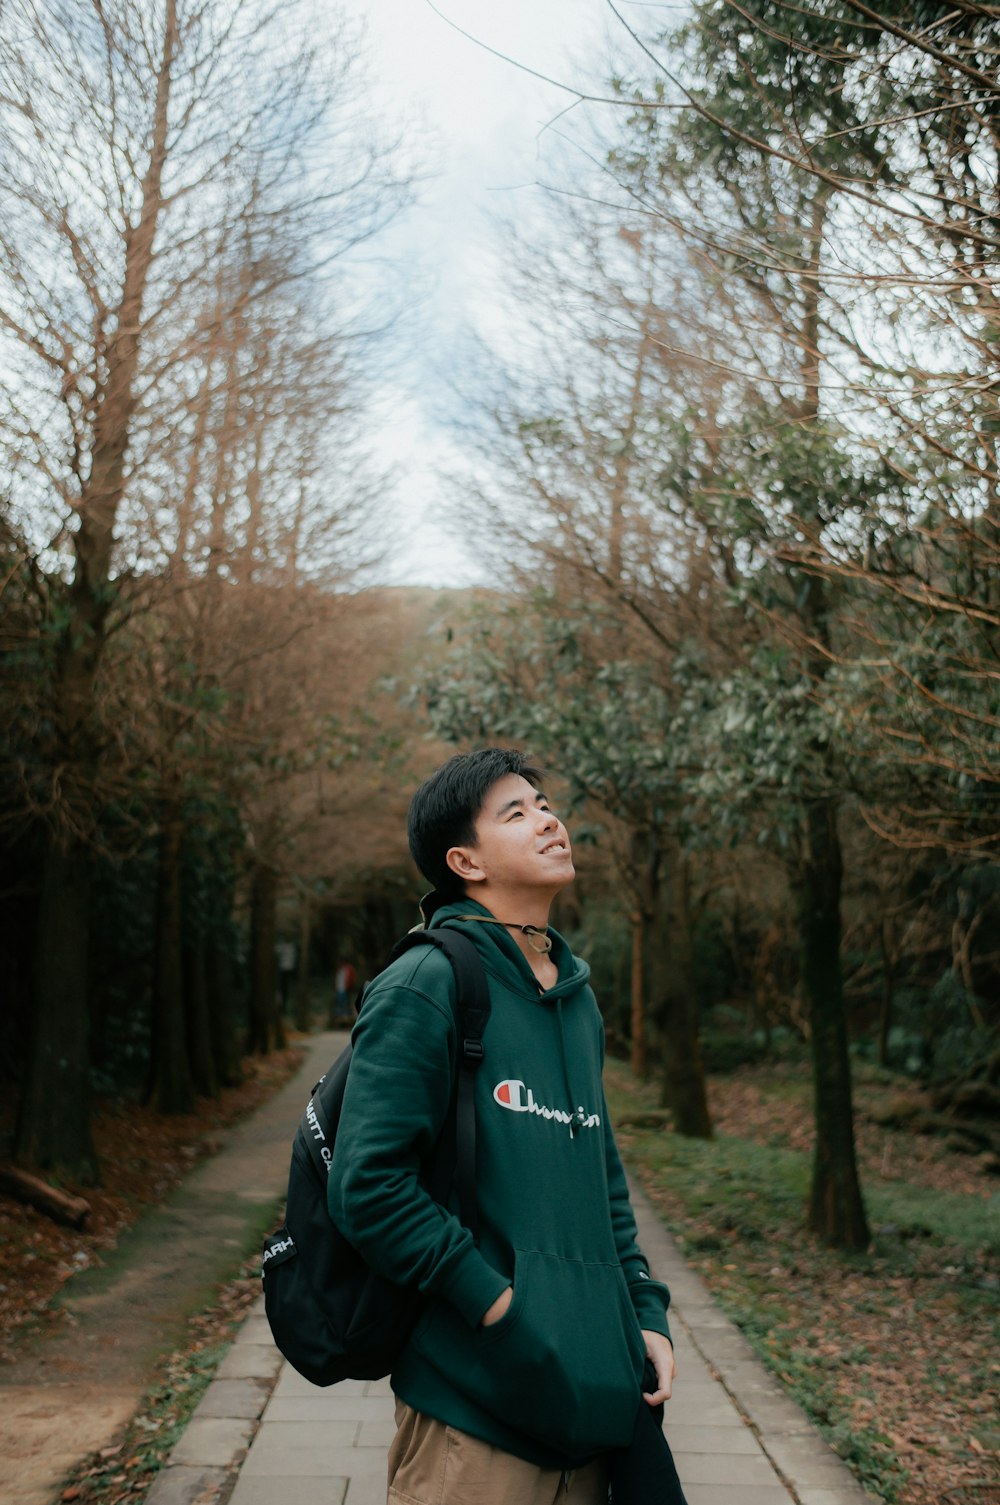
<point>549,820</point>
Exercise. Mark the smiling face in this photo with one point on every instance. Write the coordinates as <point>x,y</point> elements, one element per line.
<point>521,855</point>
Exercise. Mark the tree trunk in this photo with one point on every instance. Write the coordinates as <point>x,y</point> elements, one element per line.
<point>639,1062</point>
<point>59,1060</point>
<point>222,1014</point>
<point>53,1125</point>
<point>836,1209</point>
<point>890,960</point>
<point>301,1006</point>
<point>265,1026</point>
<point>171,1089</point>
<point>58,1205</point>
<point>201,1057</point>
<point>684,1090</point>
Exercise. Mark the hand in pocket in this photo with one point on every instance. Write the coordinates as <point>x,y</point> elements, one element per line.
<point>498,1309</point>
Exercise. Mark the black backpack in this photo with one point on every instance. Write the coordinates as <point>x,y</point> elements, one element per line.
<point>331,1316</point>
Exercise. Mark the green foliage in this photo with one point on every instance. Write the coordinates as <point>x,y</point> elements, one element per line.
<point>756,742</point>
<point>767,475</point>
<point>725,1050</point>
<point>549,677</point>
<point>604,939</point>
<point>727,1043</point>
<point>939,1031</point>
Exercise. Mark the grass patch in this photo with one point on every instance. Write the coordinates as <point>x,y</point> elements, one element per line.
<point>892,1353</point>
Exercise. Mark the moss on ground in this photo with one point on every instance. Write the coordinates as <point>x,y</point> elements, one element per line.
<point>894,1352</point>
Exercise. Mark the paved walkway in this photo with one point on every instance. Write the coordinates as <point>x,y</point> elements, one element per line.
<point>737,1438</point>
<point>72,1391</point>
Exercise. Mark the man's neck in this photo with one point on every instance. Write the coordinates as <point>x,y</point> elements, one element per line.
<point>517,909</point>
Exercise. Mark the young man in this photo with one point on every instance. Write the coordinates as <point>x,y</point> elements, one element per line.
<point>525,1369</point>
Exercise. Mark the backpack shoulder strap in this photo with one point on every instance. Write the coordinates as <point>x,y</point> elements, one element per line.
<point>470,979</point>
<point>473,1016</point>
<point>321,1118</point>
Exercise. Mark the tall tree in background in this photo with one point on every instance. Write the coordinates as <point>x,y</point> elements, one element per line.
<point>567,458</point>
<point>887,115</point>
<point>726,173</point>
<point>265,539</point>
<point>141,147</point>
<point>604,730</point>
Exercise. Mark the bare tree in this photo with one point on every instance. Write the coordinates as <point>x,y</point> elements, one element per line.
<point>141,145</point>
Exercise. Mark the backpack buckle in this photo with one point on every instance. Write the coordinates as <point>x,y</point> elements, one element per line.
<point>472,1050</point>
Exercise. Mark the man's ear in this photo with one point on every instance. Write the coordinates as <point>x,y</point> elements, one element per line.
<point>464,863</point>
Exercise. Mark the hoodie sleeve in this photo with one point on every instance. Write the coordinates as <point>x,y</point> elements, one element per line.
<point>650,1297</point>
<point>398,1092</point>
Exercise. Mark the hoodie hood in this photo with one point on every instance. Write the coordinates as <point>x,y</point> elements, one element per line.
<point>503,956</point>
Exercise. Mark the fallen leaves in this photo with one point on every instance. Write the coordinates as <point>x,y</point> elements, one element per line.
<point>37,1256</point>
<point>893,1353</point>
<point>125,1471</point>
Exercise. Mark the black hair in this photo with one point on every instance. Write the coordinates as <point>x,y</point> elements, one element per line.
<point>444,809</point>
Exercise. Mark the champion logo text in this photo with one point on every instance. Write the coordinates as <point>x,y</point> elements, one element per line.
<point>517,1098</point>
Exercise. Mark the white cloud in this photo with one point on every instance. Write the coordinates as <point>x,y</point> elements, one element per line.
<point>478,122</point>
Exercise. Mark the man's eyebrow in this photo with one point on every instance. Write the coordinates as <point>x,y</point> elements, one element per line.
<point>518,804</point>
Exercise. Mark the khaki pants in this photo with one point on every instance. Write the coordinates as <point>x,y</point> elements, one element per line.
<point>431,1464</point>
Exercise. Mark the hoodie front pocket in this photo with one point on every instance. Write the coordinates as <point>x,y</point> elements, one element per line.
<point>563,1363</point>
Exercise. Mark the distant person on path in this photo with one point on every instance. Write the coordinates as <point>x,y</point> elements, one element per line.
<point>344,983</point>
<point>523,1379</point>
<point>286,954</point>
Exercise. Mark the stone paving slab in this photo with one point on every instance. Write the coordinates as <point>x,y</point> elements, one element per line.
<point>213,1441</point>
<point>291,1386</point>
<point>750,1471</point>
<point>736,1436</point>
<point>325,1406</point>
<point>336,1454</point>
<point>246,1362</point>
<point>366,1491</point>
<point>233,1398</point>
<point>735,1494</point>
<point>181,1485</point>
<point>325,1491</point>
<point>725,1440</point>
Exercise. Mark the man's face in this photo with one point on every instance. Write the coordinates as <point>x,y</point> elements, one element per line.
<point>520,845</point>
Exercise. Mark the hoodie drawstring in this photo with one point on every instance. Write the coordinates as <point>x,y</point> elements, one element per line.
<point>579,1117</point>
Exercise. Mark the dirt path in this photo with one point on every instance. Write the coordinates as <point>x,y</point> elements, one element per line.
<point>69,1392</point>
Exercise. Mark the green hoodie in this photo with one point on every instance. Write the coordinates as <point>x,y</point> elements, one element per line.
<point>557,1379</point>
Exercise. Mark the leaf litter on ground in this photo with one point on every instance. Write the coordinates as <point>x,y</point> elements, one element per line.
<point>894,1353</point>
<point>143,1156</point>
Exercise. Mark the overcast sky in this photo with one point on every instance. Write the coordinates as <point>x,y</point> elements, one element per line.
<point>480,125</point>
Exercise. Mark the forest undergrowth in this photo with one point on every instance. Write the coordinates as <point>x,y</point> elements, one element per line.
<point>894,1353</point>
<point>143,1157</point>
